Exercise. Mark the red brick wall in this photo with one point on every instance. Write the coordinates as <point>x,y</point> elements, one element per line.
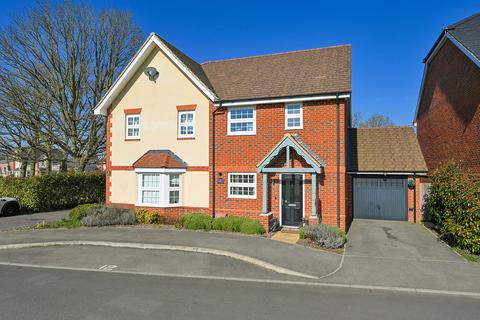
<point>449,114</point>
<point>243,153</point>
<point>414,207</point>
<point>171,214</point>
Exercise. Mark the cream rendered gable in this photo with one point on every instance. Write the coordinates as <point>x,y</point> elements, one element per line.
<point>158,129</point>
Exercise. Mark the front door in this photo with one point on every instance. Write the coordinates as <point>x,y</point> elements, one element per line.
<point>292,199</point>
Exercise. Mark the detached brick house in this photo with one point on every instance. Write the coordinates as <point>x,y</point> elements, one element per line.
<point>448,110</point>
<point>265,137</point>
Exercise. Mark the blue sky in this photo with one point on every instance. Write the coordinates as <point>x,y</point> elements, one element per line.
<point>389,38</point>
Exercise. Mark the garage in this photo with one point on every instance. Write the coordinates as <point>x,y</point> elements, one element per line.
<point>380,197</point>
<point>384,168</point>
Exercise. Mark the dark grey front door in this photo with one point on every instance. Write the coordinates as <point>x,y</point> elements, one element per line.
<point>380,197</point>
<point>292,199</point>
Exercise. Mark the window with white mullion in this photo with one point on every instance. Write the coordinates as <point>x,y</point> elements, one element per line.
<point>242,121</point>
<point>159,189</point>
<point>242,185</point>
<point>294,116</point>
<point>132,126</point>
<point>186,124</point>
<point>174,189</point>
<point>151,188</point>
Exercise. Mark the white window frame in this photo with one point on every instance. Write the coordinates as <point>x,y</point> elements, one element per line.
<point>237,184</point>
<point>242,133</point>
<point>164,188</point>
<point>133,126</point>
<point>177,188</point>
<point>293,116</point>
<point>187,124</point>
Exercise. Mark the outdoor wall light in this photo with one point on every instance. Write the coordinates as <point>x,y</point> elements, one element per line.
<point>151,73</point>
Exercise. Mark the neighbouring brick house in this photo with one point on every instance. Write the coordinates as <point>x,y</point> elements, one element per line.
<point>265,137</point>
<point>448,110</point>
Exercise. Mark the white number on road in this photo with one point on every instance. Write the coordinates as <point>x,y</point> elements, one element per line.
<point>107,267</point>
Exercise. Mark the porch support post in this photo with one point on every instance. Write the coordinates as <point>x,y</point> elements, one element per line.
<point>264,193</point>
<point>314,194</point>
<point>288,157</point>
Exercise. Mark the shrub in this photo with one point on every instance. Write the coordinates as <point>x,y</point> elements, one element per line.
<point>54,191</point>
<point>196,221</point>
<point>453,203</point>
<point>230,223</point>
<point>105,216</point>
<point>252,227</point>
<point>81,211</point>
<point>324,235</point>
<point>145,216</point>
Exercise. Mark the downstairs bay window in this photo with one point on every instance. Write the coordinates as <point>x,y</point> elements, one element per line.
<point>159,187</point>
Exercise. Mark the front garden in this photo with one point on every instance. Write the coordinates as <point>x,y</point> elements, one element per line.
<point>453,204</point>
<point>96,215</point>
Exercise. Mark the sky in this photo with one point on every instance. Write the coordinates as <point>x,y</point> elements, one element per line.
<point>389,38</point>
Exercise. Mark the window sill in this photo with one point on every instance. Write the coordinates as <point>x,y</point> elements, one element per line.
<point>289,129</point>
<point>148,205</point>
<point>241,134</point>
<point>132,139</point>
<point>185,138</point>
<point>241,198</point>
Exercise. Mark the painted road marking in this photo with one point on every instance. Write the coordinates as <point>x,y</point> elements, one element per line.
<point>108,267</point>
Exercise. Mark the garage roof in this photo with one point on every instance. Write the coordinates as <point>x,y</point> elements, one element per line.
<point>387,149</point>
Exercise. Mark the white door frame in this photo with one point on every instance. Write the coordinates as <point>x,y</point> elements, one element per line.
<point>280,205</point>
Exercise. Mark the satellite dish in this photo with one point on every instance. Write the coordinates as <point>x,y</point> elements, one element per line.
<point>151,73</point>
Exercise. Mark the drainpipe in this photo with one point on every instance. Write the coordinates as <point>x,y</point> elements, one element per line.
<point>213,158</point>
<point>338,161</point>
<point>415,198</point>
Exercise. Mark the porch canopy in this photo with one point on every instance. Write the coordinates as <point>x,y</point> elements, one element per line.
<point>287,144</point>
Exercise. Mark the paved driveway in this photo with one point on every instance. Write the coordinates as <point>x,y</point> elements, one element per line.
<point>396,240</point>
<point>403,254</point>
<point>25,220</point>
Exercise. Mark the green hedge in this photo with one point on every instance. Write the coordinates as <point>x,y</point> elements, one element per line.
<point>454,206</point>
<point>198,221</point>
<point>54,191</point>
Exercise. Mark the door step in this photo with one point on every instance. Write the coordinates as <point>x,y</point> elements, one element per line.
<point>288,237</point>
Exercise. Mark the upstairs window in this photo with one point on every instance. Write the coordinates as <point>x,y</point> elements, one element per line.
<point>241,121</point>
<point>186,124</point>
<point>133,126</point>
<point>293,116</point>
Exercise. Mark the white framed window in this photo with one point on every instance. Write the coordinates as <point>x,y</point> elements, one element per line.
<point>132,129</point>
<point>242,121</point>
<point>173,188</point>
<point>242,185</point>
<point>186,124</point>
<point>293,116</point>
<point>158,188</point>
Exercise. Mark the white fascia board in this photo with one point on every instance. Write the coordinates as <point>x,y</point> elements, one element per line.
<point>205,90</point>
<point>145,49</point>
<point>138,59</point>
<point>425,68</point>
<point>281,100</point>
<point>160,170</point>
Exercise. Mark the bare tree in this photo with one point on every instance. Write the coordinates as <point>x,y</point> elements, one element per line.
<point>375,121</point>
<point>69,55</point>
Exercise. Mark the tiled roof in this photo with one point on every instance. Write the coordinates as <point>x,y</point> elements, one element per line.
<point>159,159</point>
<point>388,149</point>
<point>467,32</point>
<point>297,73</point>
